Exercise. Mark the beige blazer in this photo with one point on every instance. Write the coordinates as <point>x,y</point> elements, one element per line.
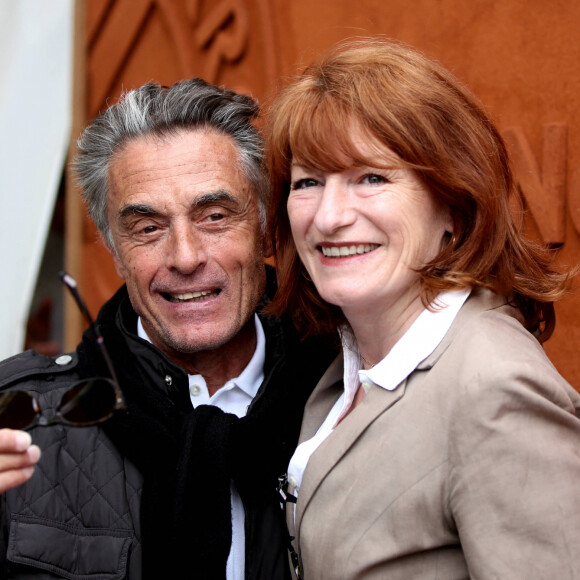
<point>469,469</point>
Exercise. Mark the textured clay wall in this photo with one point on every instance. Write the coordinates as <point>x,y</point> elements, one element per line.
<point>521,57</point>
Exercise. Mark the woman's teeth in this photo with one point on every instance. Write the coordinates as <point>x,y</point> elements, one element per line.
<point>342,251</point>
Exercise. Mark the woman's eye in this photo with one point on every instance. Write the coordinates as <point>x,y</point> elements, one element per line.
<point>304,183</point>
<point>374,179</point>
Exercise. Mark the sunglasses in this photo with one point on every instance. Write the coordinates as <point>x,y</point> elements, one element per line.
<point>87,402</point>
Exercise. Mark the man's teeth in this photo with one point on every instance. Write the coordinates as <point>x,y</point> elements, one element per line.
<point>192,296</point>
<point>341,251</point>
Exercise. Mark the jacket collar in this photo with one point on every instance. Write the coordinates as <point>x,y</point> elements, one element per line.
<point>479,299</point>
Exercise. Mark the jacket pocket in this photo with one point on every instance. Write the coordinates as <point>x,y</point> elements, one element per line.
<point>71,552</point>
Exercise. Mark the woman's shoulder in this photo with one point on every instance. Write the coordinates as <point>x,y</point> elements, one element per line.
<point>489,326</point>
<point>490,355</point>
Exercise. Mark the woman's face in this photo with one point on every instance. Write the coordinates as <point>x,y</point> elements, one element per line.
<point>363,232</point>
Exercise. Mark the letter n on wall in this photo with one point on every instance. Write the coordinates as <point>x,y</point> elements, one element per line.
<point>544,190</point>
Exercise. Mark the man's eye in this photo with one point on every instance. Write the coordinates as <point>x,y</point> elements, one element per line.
<point>148,229</point>
<point>215,217</point>
<point>304,183</point>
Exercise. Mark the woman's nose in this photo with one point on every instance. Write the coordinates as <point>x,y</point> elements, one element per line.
<point>336,209</point>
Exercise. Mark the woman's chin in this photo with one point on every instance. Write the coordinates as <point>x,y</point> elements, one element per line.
<point>349,301</point>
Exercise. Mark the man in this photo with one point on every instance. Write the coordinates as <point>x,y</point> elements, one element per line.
<point>181,483</point>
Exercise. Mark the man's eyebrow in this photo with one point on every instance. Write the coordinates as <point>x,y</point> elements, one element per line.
<point>218,196</point>
<point>137,208</point>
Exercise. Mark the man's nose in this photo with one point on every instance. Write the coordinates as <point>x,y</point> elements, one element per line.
<point>335,209</point>
<point>186,250</point>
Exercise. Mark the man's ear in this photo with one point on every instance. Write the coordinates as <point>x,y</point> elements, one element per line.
<point>267,246</point>
<point>118,264</point>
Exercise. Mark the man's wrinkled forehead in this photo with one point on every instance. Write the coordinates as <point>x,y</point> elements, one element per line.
<point>129,150</point>
<point>162,158</point>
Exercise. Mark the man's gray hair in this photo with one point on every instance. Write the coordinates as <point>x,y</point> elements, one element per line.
<point>161,111</point>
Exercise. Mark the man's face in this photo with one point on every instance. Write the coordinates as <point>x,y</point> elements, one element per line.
<point>185,224</point>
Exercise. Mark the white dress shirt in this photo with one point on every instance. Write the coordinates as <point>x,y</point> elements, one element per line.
<point>420,340</point>
<point>234,397</point>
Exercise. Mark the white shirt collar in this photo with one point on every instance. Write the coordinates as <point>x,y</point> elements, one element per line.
<point>420,340</point>
<point>248,381</point>
<point>252,376</point>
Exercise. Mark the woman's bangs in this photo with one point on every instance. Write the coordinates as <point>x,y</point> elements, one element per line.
<point>321,137</point>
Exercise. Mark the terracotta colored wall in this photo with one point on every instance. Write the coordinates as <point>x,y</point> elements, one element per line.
<point>521,57</point>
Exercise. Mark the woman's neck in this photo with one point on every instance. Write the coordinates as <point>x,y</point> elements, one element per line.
<point>376,332</point>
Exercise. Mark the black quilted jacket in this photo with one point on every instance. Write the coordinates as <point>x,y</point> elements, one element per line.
<point>80,516</point>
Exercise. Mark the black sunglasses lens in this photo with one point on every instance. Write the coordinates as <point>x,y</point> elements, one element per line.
<point>17,410</point>
<point>89,402</point>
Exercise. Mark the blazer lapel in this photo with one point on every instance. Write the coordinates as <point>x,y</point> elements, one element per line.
<point>322,399</point>
<point>376,402</point>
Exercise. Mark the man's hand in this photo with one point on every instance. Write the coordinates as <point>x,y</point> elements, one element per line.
<point>17,458</point>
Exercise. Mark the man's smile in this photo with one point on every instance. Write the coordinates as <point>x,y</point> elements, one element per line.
<point>192,296</point>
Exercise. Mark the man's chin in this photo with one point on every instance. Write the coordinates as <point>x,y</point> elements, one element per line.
<point>198,343</point>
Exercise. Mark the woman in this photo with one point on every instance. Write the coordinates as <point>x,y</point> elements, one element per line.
<point>443,443</point>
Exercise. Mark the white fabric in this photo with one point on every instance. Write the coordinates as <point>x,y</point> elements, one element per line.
<point>234,397</point>
<point>36,47</point>
<point>413,347</point>
<point>236,394</point>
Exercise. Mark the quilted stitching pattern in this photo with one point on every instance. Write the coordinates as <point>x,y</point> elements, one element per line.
<point>81,479</point>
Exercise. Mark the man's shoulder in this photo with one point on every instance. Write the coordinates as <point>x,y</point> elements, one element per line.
<point>30,364</point>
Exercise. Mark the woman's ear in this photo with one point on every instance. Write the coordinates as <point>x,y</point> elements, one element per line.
<point>448,223</point>
<point>449,235</point>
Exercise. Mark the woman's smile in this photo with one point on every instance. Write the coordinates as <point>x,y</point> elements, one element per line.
<point>346,250</point>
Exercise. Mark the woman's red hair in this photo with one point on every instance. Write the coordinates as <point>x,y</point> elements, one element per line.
<point>420,111</point>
